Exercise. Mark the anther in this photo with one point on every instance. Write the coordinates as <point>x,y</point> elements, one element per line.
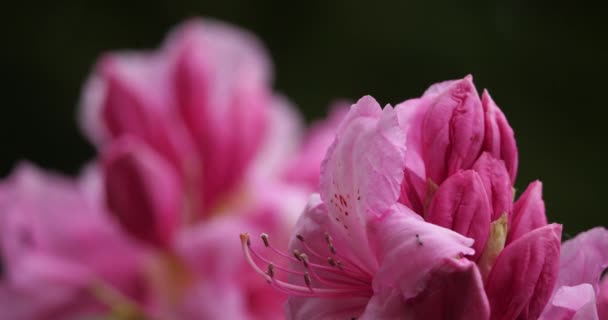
<point>339,264</point>
<point>304,259</point>
<point>299,236</point>
<point>331,262</point>
<point>270,271</point>
<point>332,249</point>
<point>264,237</point>
<point>327,238</point>
<point>307,280</point>
<point>418,240</point>
<point>245,238</point>
<point>296,253</point>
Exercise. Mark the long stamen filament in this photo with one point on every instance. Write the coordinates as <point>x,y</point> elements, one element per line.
<point>299,290</point>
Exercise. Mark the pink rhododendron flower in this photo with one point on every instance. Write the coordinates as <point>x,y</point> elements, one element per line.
<point>346,260</point>
<point>63,258</point>
<point>578,293</point>
<point>460,168</point>
<point>193,141</point>
<point>458,161</point>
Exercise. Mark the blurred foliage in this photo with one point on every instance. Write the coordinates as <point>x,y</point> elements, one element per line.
<point>544,63</point>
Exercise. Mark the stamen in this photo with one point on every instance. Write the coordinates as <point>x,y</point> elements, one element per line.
<point>265,239</point>
<point>300,237</point>
<point>304,259</point>
<point>307,280</point>
<point>296,253</point>
<point>331,261</point>
<point>351,285</point>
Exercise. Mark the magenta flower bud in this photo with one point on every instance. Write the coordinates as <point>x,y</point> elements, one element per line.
<point>499,139</point>
<point>523,277</point>
<point>142,191</point>
<point>528,212</point>
<point>461,204</point>
<point>453,129</point>
<point>497,184</point>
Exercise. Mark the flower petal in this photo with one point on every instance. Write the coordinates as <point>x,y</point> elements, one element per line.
<point>602,299</point>
<point>454,291</point>
<point>570,303</point>
<point>361,174</point>
<point>497,184</point>
<point>143,191</point>
<point>524,275</point>
<point>584,258</point>
<point>223,96</point>
<point>461,204</point>
<point>528,212</point>
<point>452,131</point>
<point>311,226</point>
<point>402,233</point>
<point>321,309</point>
<point>499,140</point>
<point>305,168</point>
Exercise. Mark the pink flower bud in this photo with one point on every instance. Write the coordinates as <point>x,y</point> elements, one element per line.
<point>499,139</point>
<point>523,277</point>
<point>142,191</point>
<point>452,130</point>
<point>497,184</point>
<point>528,212</point>
<point>461,204</point>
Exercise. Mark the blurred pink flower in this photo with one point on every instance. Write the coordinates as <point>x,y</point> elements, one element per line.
<point>578,293</point>
<point>346,260</point>
<point>194,140</point>
<point>63,258</point>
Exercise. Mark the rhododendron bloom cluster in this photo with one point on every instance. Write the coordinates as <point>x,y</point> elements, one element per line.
<point>416,219</point>
<point>412,211</point>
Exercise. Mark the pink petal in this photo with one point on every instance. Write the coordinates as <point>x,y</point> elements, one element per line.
<point>285,131</point>
<point>306,167</point>
<point>499,140</point>
<point>361,174</point>
<point>461,204</point>
<point>223,278</point>
<point>584,258</point>
<point>143,191</point>
<point>528,212</point>
<point>402,233</point>
<point>54,236</point>
<point>602,299</point>
<point>223,99</point>
<point>138,100</point>
<point>413,189</point>
<point>524,275</point>
<point>311,226</point>
<point>386,304</point>
<point>570,303</point>
<point>497,184</point>
<point>452,132</point>
<point>454,291</point>
<point>321,309</point>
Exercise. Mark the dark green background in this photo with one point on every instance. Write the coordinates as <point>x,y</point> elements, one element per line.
<point>543,61</point>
